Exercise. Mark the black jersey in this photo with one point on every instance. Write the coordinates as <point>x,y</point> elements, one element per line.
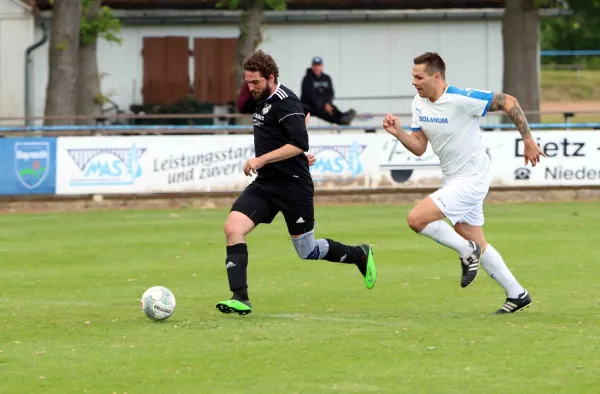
<point>280,120</point>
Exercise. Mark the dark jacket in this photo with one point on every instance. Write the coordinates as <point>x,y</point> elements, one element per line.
<point>245,101</point>
<point>316,91</point>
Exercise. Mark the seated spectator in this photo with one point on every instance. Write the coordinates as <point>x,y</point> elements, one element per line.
<point>317,94</point>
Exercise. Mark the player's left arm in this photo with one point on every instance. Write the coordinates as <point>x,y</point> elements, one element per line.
<point>510,106</point>
<point>311,158</point>
<point>291,117</point>
<point>285,152</point>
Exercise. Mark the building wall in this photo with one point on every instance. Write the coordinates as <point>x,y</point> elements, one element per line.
<point>121,66</point>
<point>364,59</point>
<point>16,34</point>
<point>376,59</point>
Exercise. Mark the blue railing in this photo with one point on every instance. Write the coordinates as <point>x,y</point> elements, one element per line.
<point>594,52</point>
<point>546,126</point>
<point>208,128</point>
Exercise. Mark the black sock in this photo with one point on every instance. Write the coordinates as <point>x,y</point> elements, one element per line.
<point>237,264</point>
<point>340,253</point>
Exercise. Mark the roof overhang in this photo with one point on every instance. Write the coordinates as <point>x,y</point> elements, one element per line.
<point>186,17</point>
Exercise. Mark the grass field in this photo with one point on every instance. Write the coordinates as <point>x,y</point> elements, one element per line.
<point>567,85</point>
<point>581,118</point>
<point>71,323</point>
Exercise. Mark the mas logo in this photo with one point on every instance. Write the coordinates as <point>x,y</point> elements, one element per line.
<point>338,160</point>
<point>32,163</point>
<point>401,163</point>
<point>106,166</point>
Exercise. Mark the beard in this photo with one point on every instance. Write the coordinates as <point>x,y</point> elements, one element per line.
<point>264,94</point>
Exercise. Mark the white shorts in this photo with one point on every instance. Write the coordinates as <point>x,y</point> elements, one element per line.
<point>461,199</point>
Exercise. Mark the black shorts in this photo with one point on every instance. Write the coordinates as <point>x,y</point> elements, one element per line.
<point>261,201</point>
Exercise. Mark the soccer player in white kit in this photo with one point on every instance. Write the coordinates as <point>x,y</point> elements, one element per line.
<point>448,118</point>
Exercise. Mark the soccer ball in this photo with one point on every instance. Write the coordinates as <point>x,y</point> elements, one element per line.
<point>158,303</point>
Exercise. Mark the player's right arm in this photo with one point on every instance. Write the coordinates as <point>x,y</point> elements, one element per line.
<point>415,142</point>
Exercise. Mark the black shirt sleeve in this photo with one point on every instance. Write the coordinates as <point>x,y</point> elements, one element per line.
<point>291,117</point>
<point>306,110</point>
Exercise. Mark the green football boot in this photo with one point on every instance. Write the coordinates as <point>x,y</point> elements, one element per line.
<point>367,268</point>
<point>235,306</point>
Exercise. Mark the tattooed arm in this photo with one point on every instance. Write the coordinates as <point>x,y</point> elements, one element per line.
<point>510,106</point>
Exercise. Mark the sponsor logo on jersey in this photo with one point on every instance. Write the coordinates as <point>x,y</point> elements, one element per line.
<point>433,119</point>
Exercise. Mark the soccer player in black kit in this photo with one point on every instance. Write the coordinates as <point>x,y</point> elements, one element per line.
<point>283,184</point>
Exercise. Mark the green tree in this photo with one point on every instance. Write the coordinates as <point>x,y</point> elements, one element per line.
<point>578,31</point>
<point>73,80</point>
<point>520,35</point>
<point>250,28</point>
<point>96,22</point>
<point>63,59</point>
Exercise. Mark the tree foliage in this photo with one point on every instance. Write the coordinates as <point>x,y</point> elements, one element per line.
<point>103,25</point>
<point>73,83</point>
<point>578,31</point>
<point>278,5</point>
<point>250,28</point>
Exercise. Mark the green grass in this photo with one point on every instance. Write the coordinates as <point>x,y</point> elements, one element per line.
<point>567,85</point>
<point>71,322</point>
<point>578,118</point>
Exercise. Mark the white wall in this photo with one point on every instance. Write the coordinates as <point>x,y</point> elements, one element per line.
<point>16,34</point>
<point>122,65</point>
<point>376,59</point>
<point>364,59</point>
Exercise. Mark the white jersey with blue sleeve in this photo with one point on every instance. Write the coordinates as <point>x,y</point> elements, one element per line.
<point>451,124</point>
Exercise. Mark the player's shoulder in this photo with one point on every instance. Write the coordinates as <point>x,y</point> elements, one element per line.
<point>417,101</point>
<point>284,95</point>
<point>289,92</point>
<point>458,93</point>
<point>284,98</point>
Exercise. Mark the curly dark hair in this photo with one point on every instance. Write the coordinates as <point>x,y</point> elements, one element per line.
<point>263,63</point>
<point>433,63</point>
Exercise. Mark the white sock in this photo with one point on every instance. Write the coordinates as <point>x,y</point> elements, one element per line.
<point>492,262</point>
<point>442,233</point>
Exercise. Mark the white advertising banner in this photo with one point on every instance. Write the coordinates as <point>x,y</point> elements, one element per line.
<point>344,161</point>
<point>573,158</point>
<point>152,164</point>
<point>156,164</point>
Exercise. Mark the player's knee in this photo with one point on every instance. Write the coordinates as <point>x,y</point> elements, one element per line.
<point>415,222</point>
<point>233,230</point>
<point>306,246</point>
<point>312,255</point>
<point>483,245</point>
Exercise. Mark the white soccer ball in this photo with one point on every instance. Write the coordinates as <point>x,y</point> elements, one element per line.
<point>158,303</point>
